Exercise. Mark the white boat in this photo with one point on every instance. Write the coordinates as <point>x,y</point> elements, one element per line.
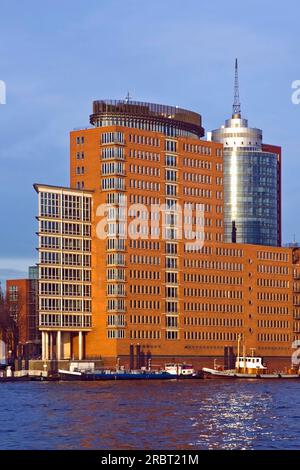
<point>181,370</point>
<point>69,374</point>
<point>76,370</point>
<point>246,367</point>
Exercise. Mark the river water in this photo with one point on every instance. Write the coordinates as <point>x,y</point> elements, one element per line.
<point>189,415</point>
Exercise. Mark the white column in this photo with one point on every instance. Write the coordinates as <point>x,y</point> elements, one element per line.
<point>43,346</point>
<point>58,346</point>
<point>80,349</point>
<point>50,346</point>
<point>46,346</point>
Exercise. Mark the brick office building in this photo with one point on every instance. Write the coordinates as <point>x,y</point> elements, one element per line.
<point>144,285</point>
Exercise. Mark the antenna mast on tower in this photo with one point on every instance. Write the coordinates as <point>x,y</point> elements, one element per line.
<point>236,109</point>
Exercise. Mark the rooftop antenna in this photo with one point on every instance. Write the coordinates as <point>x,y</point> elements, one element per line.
<point>236,109</point>
<point>128,97</point>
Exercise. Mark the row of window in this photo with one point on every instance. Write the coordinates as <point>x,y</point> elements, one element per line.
<point>65,206</point>
<point>273,310</point>
<point>229,252</point>
<point>58,243</point>
<point>144,170</point>
<point>68,244</point>
<point>272,297</point>
<point>116,320</point>
<point>144,334</point>
<point>144,245</point>
<point>115,334</point>
<point>113,183</point>
<point>66,259</point>
<point>53,227</point>
<point>215,308</point>
<point>145,319</point>
<point>200,278</point>
<point>116,304</point>
<point>140,259</point>
<point>274,338</point>
<point>273,324</point>
<point>116,198</point>
<point>210,336</point>
<point>115,274</point>
<point>78,321</point>
<point>144,289</point>
<point>147,200</point>
<point>277,283</point>
<point>198,192</point>
<point>145,304</point>
<point>112,138</point>
<point>142,155</point>
<point>115,289</point>
<point>115,244</point>
<point>271,269</point>
<point>195,163</point>
<point>150,275</point>
<point>80,275</point>
<point>144,140</point>
<point>215,265</point>
<point>67,290</point>
<point>108,153</point>
<point>145,185</point>
<point>273,256</point>
<point>197,178</point>
<point>210,321</point>
<point>214,293</point>
<point>65,305</point>
<point>115,259</point>
<point>113,168</point>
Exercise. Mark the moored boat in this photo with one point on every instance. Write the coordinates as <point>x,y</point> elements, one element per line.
<point>171,372</point>
<point>182,371</point>
<point>70,375</point>
<point>247,367</point>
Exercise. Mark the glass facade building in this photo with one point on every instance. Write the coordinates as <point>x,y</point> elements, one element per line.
<point>251,185</point>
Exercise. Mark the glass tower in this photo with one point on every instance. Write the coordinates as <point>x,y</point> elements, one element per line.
<point>251,182</point>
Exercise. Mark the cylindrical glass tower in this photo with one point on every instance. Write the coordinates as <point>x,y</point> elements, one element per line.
<point>251,183</point>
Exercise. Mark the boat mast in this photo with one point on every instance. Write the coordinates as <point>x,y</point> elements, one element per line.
<point>238,351</point>
<point>244,354</point>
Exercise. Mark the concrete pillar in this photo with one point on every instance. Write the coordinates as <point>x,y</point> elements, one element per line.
<point>80,346</point>
<point>43,346</point>
<point>46,346</point>
<point>51,346</point>
<point>58,346</point>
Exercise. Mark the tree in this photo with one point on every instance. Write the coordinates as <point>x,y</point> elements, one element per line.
<point>11,320</point>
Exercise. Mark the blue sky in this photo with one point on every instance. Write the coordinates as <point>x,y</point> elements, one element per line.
<point>57,56</point>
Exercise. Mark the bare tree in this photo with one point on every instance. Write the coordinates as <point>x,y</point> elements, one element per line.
<point>12,321</point>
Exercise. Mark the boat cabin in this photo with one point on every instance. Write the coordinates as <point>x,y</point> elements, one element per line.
<point>249,363</point>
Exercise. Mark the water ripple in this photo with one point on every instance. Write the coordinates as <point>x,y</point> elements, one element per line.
<point>166,415</point>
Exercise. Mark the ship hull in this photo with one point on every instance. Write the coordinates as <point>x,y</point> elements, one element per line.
<point>216,374</point>
<point>112,376</point>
